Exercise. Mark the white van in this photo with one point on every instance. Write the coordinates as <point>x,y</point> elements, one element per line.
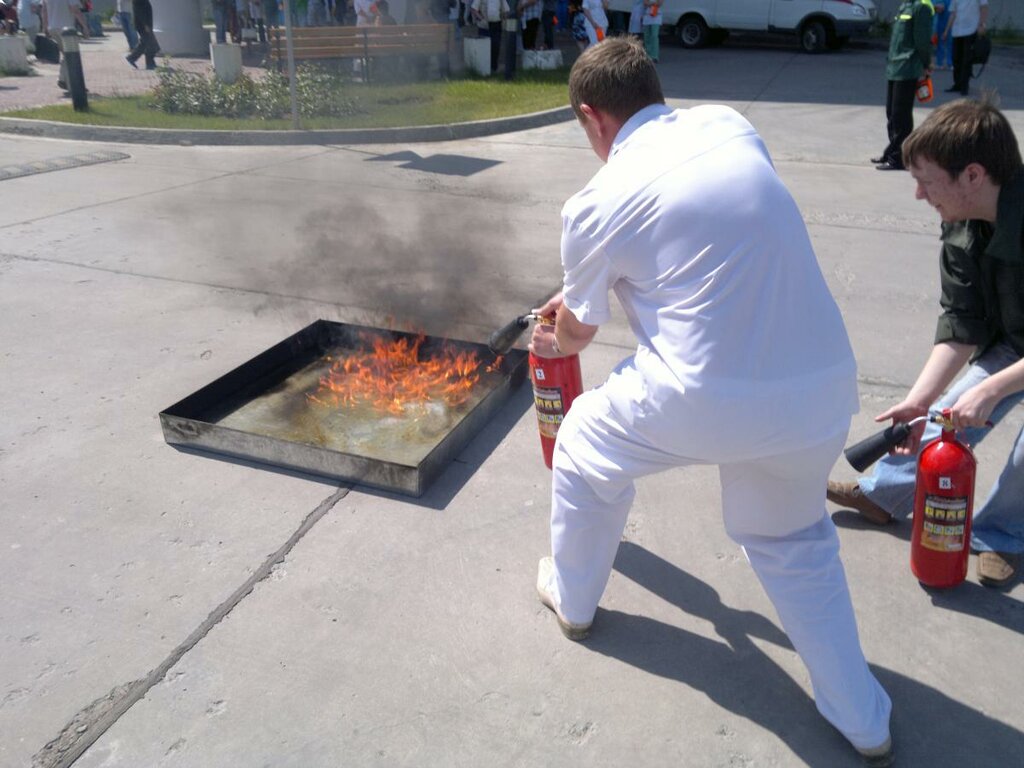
<point>819,24</point>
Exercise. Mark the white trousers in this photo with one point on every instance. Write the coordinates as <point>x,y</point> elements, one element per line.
<point>773,507</point>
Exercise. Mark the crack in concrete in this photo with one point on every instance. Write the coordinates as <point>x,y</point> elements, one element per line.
<point>91,722</point>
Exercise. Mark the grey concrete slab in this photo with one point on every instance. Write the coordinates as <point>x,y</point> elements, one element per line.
<point>407,633</point>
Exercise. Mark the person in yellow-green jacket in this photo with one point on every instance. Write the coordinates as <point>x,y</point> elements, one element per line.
<point>910,57</point>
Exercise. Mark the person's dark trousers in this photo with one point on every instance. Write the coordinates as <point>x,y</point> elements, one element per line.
<point>494,32</point>
<point>547,22</point>
<point>963,50</point>
<point>147,46</point>
<point>220,21</point>
<point>530,34</point>
<point>899,114</point>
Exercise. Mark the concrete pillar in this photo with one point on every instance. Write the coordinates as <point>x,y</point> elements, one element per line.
<point>178,26</point>
<point>13,54</point>
<point>227,61</point>
<point>477,54</point>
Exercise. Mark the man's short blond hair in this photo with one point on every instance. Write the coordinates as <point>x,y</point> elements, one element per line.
<point>615,76</point>
<point>963,132</point>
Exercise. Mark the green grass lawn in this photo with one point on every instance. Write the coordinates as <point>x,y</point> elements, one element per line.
<point>380,106</point>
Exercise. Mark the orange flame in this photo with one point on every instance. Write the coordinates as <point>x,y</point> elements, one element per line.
<point>391,376</point>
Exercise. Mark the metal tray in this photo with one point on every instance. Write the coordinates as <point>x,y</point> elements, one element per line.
<point>260,412</point>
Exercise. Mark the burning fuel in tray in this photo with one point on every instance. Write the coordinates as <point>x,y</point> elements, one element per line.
<point>350,402</point>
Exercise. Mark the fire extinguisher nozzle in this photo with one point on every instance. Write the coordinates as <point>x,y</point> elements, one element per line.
<point>869,450</point>
<point>501,341</point>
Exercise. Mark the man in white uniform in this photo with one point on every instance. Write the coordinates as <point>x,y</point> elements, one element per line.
<point>743,361</point>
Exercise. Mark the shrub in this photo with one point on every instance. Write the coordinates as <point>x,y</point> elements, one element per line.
<point>318,93</point>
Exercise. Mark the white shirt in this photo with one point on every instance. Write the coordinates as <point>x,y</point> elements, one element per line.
<point>596,9</point>
<point>690,226</point>
<point>968,16</point>
<point>491,10</point>
<point>58,15</point>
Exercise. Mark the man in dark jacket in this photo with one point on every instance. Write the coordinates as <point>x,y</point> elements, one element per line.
<point>910,56</point>
<point>967,165</point>
<point>147,46</point>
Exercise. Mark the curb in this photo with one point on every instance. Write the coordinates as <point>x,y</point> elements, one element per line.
<point>184,137</point>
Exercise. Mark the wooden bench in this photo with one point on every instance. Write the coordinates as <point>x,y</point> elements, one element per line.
<point>364,43</point>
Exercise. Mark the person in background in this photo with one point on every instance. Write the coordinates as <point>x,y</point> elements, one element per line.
<point>488,15</point>
<point>652,28</point>
<point>221,14</point>
<point>690,227</point>
<point>967,164</point>
<point>529,18</point>
<point>8,17</point>
<point>124,18</point>
<point>967,20</point>
<point>578,24</point>
<point>56,15</point>
<point>910,57</point>
<point>636,20</point>
<point>316,13</point>
<point>29,19</point>
<point>943,48</point>
<point>256,17</point>
<point>548,19</point>
<point>365,13</point>
<point>142,12</point>
<point>384,17</point>
<point>595,20</point>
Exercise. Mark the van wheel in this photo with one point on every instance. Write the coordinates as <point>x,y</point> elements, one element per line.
<point>813,37</point>
<point>692,32</point>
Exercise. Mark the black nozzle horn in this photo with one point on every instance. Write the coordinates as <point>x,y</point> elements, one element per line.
<point>869,450</point>
<point>501,340</point>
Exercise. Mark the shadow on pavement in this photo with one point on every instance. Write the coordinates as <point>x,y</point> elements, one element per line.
<point>738,676</point>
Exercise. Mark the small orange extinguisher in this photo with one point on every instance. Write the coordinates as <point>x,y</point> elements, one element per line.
<point>557,381</point>
<point>943,503</point>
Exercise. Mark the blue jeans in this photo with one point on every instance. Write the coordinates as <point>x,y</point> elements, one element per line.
<point>943,48</point>
<point>998,524</point>
<point>220,20</point>
<point>125,18</point>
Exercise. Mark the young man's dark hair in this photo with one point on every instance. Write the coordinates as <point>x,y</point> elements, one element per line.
<point>963,132</point>
<point>616,76</point>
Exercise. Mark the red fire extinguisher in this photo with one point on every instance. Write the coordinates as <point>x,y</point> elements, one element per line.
<point>557,381</point>
<point>943,503</point>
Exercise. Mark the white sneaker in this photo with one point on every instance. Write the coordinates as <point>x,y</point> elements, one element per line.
<point>879,757</point>
<point>545,568</point>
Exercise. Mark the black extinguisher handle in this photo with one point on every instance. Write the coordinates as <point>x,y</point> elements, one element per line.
<point>869,450</point>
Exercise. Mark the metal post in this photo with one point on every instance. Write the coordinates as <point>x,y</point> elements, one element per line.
<point>511,26</point>
<point>75,76</point>
<point>291,63</point>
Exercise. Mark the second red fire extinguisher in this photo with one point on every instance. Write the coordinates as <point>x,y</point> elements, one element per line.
<point>943,503</point>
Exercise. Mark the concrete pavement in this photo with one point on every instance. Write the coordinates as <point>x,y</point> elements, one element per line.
<point>161,608</point>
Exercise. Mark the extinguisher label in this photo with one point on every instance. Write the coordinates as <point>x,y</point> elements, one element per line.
<point>550,409</point>
<point>944,521</point>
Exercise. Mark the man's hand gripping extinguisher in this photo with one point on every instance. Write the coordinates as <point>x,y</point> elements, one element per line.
<point>943,499</point>
<point>557,381</point>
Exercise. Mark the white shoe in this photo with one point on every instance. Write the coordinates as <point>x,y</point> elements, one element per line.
<point>545,568</point>
<point>879,757</point>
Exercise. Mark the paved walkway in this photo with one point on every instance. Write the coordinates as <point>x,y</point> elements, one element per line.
<point>106,73</point>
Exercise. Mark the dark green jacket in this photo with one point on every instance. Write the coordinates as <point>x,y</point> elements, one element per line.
<point>982,271</point>
<point>910,46</point>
